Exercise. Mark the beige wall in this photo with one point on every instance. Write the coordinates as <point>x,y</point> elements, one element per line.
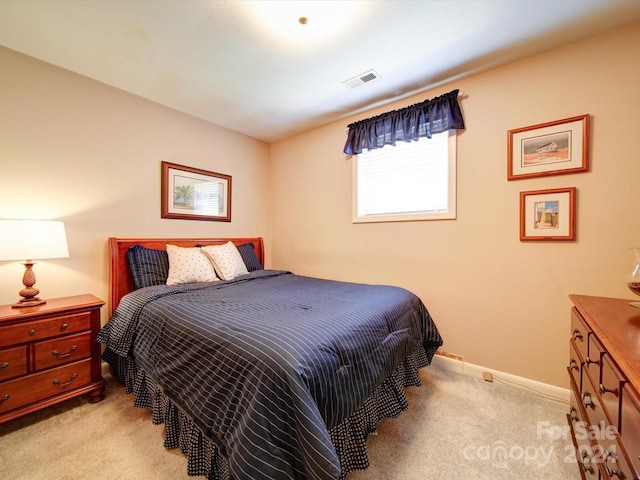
<point>79,151</point>
<point>498,302</point>
<point>76,150</point>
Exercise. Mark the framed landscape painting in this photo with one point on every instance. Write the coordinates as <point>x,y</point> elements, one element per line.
<point>552,148</point>
<point>195,194</point>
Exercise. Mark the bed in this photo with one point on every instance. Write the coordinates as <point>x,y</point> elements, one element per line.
<point>264,374</point>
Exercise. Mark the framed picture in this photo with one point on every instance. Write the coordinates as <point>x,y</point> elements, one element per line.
<point>548,214</point>
<point>552,148</point>
<point>195,194</point>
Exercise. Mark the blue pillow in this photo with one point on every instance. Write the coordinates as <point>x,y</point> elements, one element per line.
<point>148,267</point>
<point>248,254</point>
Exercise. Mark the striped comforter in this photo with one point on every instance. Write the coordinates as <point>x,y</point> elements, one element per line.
<point>266,364</point>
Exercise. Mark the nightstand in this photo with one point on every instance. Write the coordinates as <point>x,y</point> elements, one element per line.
<point>49,354</point>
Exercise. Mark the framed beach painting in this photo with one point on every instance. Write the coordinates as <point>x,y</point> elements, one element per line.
<point>551,148</point>
<point>548,214</point>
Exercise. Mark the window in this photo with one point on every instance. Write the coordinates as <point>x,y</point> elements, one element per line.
<point>408,181</point>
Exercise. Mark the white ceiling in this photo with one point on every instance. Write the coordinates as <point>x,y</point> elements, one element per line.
<point>252,67</point>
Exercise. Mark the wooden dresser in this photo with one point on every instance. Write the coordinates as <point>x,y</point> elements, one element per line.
<point>49,354</point>
<point>604,374</point>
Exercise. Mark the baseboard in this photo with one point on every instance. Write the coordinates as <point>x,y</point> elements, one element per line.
<point>543,389</point>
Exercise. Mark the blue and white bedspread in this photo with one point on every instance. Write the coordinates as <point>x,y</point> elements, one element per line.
<point>268,364</point>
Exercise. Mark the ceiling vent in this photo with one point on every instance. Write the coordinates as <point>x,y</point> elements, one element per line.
<point>361,79</point>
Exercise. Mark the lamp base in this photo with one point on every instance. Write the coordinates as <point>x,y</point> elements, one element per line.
<point>28,302</point>
<point>29,293</point>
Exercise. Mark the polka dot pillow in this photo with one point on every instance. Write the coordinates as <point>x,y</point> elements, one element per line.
<point>187,265</point>
<point>227,260</point>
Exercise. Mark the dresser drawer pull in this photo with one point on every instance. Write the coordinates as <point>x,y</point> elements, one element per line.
<point>588,361</point>
<point>573,365</point>
<point>32,332</point>
<point>4,365</point>
<point>60,356</point>
<point>4,398</point>
<point>604,390</point>
<point>585,463</point>
<point>64,326</point>
<point>573,414</point>
<point>611,472</point>
<point>586,400</point>
<point>576,334</point>
<point>66,384</point>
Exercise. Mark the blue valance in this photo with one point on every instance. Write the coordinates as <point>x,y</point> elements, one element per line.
<point>423,119</point>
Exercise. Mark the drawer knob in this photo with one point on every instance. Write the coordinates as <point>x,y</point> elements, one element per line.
<point>61,356</point>
<point>573,414</point>
<point>604,390</point>
<point>4,365</point>
<point>64,326</point>
<point>5,397</point>
<point>66,384</point>
<point>573,365</point>
<point>576,335</point>
<point>586,400</point>
<point>586,462</point>
<point>32,332</point>
<point>611,455</point>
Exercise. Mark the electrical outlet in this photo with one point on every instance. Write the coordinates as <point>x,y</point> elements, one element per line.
<point>488,376</point>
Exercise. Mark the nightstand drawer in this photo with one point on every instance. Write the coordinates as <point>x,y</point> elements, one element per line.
<point>62,350</point>
<point>23,391</point>
<point>41,329</point>
<point>13,362</point>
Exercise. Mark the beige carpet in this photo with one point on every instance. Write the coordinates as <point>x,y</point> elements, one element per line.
<point>457,427</point>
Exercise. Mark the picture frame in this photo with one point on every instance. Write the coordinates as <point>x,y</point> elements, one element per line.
<point>194,194</point>
<point>548,215</point>
<point>552,148</point>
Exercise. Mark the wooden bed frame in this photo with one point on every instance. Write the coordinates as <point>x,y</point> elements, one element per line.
<point>384,401</point>
<point>120,279</point>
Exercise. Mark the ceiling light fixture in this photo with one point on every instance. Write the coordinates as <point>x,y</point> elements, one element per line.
<point>304,25</point>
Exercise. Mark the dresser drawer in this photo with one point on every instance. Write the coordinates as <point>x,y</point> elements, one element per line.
<point>614,463</point>
<point>591,403</point>
<point>579,334</point>
<point>574,366</point>
<point>23,391</point>
<point>630,425</point>
<point>62,350</point>
<point>594,359</point>
<point>13,362</point>
<point>41,329</point>
<point>583,448</point>
<point>610,387</point>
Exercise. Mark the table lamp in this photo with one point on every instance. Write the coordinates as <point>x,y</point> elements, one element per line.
<point>27,240</point>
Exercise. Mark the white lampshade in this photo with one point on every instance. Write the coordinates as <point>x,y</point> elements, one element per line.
<point>32,240</point>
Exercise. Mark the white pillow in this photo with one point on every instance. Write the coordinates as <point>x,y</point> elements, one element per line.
<point>226,260</point>
<point>188,265</point>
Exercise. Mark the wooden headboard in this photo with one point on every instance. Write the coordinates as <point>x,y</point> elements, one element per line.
<point>120,279</point>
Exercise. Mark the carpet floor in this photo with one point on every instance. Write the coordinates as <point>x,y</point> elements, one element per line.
<point>456,427</point>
